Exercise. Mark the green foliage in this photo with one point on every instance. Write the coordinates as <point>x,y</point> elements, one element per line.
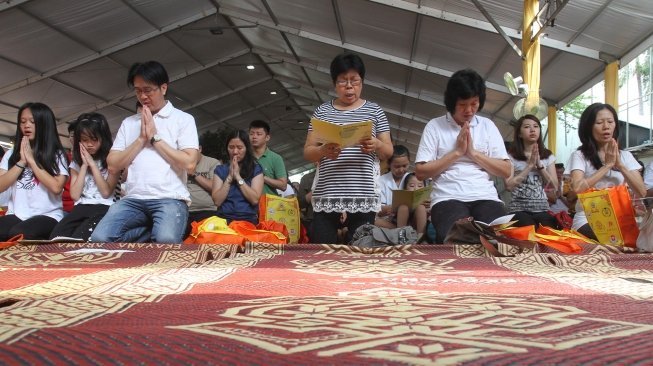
<point>570,113</point>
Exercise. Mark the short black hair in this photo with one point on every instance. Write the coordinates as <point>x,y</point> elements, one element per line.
<point>345,62</point>
<point>399,151</point>
<point>151,71</point>
<point>257,123</point>
<point>560,166</point>
<point>464,84</point>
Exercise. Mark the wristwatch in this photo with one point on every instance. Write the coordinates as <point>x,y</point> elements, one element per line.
<point>241,182</point>
<point>155,138</point>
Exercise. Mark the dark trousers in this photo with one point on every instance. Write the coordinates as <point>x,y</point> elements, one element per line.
<point>587,231</point>
<point>36,227</point>
<point>80,222</point>
<point>525,218</point>
<point>198,216</point>
<point>325,225</point>
<point>445,213</point>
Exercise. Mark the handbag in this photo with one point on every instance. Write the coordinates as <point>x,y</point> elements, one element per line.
<point>611,216</point>
<point>283,210</point>
<point>371,236</point>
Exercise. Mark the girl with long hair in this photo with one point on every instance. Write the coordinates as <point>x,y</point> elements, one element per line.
<point>598,162</point>
<point>533,170</point>
<point>92,186</point>
<point>238,184</point>
<point>35,170</point>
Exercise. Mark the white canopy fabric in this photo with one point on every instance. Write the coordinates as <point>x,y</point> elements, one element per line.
<point>74,56</point>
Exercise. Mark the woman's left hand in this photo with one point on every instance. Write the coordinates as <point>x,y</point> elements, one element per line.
<point>369,144</point>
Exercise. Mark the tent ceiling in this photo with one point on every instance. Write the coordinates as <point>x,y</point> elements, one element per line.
<point>74,56</point>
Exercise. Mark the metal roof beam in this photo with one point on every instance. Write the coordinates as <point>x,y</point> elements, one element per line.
<point>126,96</point>
<point>285,58</point>
<point>475,23</point>
<point>102,53</point>
<point>8,4</point>
<point>363,50</point>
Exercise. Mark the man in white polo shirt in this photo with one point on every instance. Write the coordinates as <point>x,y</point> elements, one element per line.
<point>158,147</point>
<point>461,151</point>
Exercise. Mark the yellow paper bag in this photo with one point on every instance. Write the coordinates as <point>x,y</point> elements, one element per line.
<point>283,210</point>
<point>611,215</point>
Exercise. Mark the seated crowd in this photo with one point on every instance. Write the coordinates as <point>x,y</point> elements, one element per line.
<point>152,181</point>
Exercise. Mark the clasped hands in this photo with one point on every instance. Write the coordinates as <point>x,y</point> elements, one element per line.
<point>368,146</point>
<point>464,142</point>
<point>234,171</point>
<point>148,128</point>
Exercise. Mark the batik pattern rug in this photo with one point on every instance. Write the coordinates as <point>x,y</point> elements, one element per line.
<point>265,304</point>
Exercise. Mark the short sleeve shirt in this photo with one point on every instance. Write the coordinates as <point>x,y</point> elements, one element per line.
<point>464,180</point>
<point>236,206</point>
<point>529,196</point>
<point>201,200</point>
<point>350,182</point>
<point>273,167</point>
<point>150,176</point>
<point>29,197</point>
<point>90,193</point>
<point>577,161</point>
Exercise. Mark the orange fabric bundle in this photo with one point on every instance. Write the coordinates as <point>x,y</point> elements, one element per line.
<point>565,241</point>
<point>214,230</point>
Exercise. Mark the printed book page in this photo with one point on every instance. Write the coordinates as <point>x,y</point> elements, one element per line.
<point>411,199</point>
<point>345,135</point>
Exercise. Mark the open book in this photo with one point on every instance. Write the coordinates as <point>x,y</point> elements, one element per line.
<point>345,135</point>
<point>412,199</point>
<point>56,239</point>
<point>500,222</point>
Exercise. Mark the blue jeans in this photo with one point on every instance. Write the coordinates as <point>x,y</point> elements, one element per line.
<point>134,220</point>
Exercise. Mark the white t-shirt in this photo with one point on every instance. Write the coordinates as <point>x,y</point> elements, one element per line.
<point>464,180</point>
<point>387,184</point>
<point>614,177</point>
<point>648,175</point>
<point>29,197</point>
<point>149,175</point>
<point>90,193</point>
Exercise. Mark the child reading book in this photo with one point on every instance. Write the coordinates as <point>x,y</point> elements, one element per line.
<point>415,217</point>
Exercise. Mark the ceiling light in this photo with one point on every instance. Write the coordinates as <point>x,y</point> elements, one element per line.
<point>250,67</point>
<point>273,93</point>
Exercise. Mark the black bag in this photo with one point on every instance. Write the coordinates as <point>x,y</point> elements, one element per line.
<point>370,236</point>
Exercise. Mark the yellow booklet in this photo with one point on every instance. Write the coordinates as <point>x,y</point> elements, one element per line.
<point>411,199</point>
<point>345,135</point>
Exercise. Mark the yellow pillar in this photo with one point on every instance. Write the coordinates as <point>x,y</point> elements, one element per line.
<point>531,53</point>
<point>553,127</point>
<point>611,75</point>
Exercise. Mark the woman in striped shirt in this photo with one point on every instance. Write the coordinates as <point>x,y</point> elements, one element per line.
<point>346,177</point>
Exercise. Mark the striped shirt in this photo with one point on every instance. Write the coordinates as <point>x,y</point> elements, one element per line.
<point>350,182</point>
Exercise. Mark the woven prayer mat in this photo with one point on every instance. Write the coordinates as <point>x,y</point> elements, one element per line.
<point>322,304</point>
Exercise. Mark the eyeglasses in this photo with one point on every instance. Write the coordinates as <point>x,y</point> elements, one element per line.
<point>146,91</point>
<point>353,82</point>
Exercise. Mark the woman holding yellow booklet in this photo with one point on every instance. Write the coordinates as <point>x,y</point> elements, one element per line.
<point>345,180</point>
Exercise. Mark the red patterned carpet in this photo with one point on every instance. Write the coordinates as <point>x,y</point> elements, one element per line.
<point>320,304</point>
